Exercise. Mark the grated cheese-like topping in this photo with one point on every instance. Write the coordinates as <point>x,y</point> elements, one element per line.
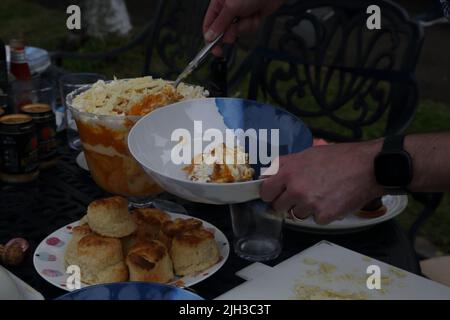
<point>137,96</point>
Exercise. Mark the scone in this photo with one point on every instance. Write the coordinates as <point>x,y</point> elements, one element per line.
<point>84,220</point>
<point>193,251</point>
<point>131,241</point>
<point>150,261</point>
<point>128,242</point>
<point>101,260</point>
<point>149,222</point>
<point>148,225</point>
<point>177,226</point>
<point>71,254</point>
<point>164,239</point>
<point>109,217</point>
<point>171,228</point>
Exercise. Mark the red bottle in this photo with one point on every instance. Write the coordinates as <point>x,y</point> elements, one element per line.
<point>23,84</point>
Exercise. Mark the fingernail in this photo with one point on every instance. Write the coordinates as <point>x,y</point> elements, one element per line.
<point>210,35</point>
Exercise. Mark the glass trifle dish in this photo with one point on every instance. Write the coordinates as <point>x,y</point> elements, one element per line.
<point>105,112</point>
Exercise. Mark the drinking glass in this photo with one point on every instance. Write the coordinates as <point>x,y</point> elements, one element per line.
<point>40,91</point>
<point>67,84</point>
<point>44,92</point>
<point>257,230</point>
<point>3,102</point>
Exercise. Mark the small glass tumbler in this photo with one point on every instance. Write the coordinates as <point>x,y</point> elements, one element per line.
<point>3,102</point>
<point>40,91</point>
<point>68,83</point>
<point>257,230</point>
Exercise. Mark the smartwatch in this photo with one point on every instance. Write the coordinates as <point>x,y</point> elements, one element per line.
<point>393,166</point>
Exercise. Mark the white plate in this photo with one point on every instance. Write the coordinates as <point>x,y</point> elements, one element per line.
<point>394,204</point>
<point>49,262</point>
<point>81,161</point>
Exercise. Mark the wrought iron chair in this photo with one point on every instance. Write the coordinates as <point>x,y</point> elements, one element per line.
<point>178,39</point>
<point>172,37</point>
<point>318,59</point>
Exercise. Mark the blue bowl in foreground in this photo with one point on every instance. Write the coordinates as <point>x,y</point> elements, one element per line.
<point>194,125</point>
<point>130,291</point>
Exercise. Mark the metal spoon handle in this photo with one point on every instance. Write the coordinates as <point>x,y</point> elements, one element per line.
<point>200,57</point>
<point>197,60</point>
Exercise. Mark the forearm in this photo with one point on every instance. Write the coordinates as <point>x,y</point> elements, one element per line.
<point>430,155</point>
<point>330,181</point>
<point>431,161</point>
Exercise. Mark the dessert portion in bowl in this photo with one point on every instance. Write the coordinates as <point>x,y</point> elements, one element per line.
<point>105,112</point>
<point>220,164</point>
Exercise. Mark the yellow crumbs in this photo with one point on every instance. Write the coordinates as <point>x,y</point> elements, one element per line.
<point>308,292</point>
<point>327,268</point>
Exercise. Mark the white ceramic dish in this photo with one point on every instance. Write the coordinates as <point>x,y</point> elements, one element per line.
<point>49,262</point>
<point>351,223</point>
<point>81,161</point>
<point>150,142</point>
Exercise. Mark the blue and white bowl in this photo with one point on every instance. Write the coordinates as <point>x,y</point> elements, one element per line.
<point>130,291</point>
<point>150,142</point>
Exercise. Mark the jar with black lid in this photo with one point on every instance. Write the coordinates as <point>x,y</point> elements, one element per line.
<point>18,149</point>
<point>45,123</point>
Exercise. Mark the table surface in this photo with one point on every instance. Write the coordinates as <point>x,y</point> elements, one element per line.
<point>60,196</point>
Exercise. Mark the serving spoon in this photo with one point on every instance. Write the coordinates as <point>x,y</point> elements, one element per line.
<point>201,55</point>
<point>198,59</point>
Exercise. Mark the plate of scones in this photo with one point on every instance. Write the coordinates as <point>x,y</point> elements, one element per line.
<point>114,244</point>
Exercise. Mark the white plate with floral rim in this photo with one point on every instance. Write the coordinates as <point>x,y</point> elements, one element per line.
<point>352,223</point>
<point>49,261</point>
<point>81,161</point>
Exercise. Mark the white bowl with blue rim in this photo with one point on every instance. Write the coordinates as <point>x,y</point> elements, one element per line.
<point>152,141</point>
<point>130,291</point>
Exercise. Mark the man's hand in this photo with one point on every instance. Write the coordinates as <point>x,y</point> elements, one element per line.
<point>327,182</point>
<point>221,13</point>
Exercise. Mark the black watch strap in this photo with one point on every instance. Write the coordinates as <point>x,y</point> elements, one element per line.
<point>394,161</point>
<point>394,142</point>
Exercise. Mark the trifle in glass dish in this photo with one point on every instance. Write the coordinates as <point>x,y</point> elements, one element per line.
<point>105,112</point>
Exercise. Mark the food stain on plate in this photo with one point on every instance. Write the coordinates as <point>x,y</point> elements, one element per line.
<point>179,283</point>
<point>51,273</point>
<point>54,242</point>
<point>44,256</point>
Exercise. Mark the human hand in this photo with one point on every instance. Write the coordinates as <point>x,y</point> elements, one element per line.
<point>327,182</point>
<point>221,13</point>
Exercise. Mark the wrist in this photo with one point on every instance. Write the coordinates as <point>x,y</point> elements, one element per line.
<point>419,162</point>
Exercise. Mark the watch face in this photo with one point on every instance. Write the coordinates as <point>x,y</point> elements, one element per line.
<point>393,169</point>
